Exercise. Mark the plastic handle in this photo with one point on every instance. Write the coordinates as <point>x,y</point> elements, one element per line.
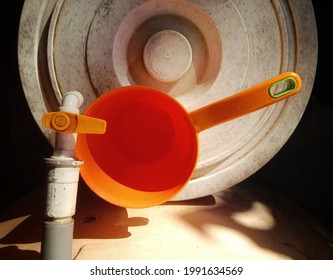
<point>247,101</point>
<point>73,123</point>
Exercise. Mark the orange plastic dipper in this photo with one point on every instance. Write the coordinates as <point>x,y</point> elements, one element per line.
<point>150,148</point>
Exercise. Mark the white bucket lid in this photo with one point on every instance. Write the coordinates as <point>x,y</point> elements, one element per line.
<point>94,46</point>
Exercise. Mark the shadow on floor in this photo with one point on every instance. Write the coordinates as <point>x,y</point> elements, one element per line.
<point>291,231</point>
<point>94,219</point>
<point>12,252</point>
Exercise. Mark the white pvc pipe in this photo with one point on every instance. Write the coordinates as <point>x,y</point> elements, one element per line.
<point>71,102</point>
<point>63,171</point>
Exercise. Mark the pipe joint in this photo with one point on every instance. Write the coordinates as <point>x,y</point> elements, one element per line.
<point>71,102</point>
<point>61,193</point>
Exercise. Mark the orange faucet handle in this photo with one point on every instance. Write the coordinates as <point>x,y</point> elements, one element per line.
<point>73,123</point>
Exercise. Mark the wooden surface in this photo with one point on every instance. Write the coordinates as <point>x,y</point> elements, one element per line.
<point>247,221</point>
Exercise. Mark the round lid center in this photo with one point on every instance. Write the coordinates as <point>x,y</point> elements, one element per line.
<point>167,55</point>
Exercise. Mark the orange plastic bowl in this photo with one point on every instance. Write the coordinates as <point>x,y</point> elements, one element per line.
<point>149,150</point>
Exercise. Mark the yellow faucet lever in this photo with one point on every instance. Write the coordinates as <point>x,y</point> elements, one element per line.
<point>73,123</point>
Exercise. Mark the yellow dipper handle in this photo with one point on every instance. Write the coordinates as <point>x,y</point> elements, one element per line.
<point>73,123</point>
<point>247,101</point>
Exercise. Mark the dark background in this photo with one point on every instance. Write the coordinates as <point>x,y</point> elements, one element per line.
<point>305,160</point>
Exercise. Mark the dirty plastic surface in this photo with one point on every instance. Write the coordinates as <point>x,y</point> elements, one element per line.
<point>95,46</point>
